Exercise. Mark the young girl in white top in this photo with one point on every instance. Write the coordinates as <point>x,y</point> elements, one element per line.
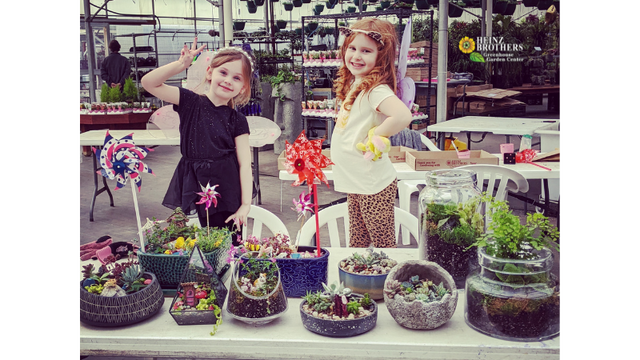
<point>214,138</point>
<point>370,113</point>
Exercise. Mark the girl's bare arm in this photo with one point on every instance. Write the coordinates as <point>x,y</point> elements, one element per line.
<point>399,116</point>
<point>246,180</point>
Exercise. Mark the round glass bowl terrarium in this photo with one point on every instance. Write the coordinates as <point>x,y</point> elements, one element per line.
<point>513,299</point>
<point>450,220</point>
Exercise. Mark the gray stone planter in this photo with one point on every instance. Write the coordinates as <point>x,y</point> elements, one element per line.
<point>287,114</point>
<point>417,314</point>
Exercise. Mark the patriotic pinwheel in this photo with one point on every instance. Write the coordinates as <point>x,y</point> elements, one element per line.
<point>122,159</point>
<point>304,158</point>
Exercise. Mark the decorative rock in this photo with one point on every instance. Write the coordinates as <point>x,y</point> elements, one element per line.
<point>417,314</point>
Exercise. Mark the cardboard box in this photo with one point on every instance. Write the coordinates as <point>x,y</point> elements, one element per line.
<point>397,154</point>
<point>325,152</point>
<point>435,160</point>
<point>492,94</point>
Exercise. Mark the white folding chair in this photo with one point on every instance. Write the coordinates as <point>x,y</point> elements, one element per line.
<point>260,216</point>
<point>499,180</point>
<point>331,215</point>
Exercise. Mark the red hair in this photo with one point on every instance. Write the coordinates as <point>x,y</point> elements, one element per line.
<point>384,70</point>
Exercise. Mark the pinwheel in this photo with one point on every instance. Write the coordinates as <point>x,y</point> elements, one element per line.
<point>302,205</point>
<point>121,160</point>
<point>209,196</point>
<point>304,158</point>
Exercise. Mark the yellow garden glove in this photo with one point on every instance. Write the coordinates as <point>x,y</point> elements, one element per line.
<point>376,145</point>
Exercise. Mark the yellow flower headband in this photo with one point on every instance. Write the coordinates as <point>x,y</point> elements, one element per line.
<point>372,34</point>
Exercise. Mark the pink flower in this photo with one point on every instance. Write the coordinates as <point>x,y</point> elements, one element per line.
<point>273,259</point>
<point>302,205</point>
<point>209,196</point>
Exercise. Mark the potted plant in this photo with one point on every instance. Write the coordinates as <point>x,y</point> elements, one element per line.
<point>330,5</point>
<point>167,247</point>
<point>319,8</point>
<point>338,312</point>
<point>313,25</point>
<point>281,24</point>
<point>119,293</point>
<point>301,270</point>
<point>366,273</point>
<point>288,6</point>
<point>252,7</point>
<point>422,5</point>
<point>448,229</point>
<point>420,294</point>
<point>385,4</point>
<point>256,295</point>
<point>513,295</point>
<point>200,295</point>
<point>281,84</point>
<point>351,9</point>
<point>238,25</point>
<point>297,3</point>
<point>306,1</point>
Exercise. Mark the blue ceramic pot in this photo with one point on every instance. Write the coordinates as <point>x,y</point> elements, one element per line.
<point>301,275</point>
<point>361,284</point>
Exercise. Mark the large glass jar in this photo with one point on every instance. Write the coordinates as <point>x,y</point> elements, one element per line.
<point>511,299</point>
<point>450,220</point>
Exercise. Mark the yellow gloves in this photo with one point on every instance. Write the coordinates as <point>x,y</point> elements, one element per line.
<point>376,145</point>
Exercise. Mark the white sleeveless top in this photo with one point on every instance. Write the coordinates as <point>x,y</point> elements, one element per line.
<point>352,173</point>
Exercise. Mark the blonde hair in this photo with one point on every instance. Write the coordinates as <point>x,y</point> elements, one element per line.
<point>384,70</point>
<point>222,57</point>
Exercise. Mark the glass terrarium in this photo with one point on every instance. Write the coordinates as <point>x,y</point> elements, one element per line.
<point>514,299</point>
<point>450,220</point>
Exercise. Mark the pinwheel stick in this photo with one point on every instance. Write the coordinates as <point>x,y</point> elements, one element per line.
<point>135,206</point>
<point>315,206</point>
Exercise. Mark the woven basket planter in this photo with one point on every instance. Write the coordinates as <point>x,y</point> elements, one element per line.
<point>105,311</point>
<point>169,268</point>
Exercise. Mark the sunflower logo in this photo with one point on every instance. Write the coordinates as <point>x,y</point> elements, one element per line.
<point>467,45</point>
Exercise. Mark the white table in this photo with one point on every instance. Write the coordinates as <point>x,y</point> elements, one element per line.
<point>286,337</point>
<point>497,125</point>
<point>262,131</point>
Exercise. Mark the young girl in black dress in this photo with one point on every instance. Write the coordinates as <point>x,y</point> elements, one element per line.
<point>214,138</point>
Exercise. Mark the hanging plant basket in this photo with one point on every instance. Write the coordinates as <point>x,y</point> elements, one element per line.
<point>544,4</point>
<point>329,30</point>
<point>530,3</point>
<point>454,11</point>
<point>281,24</point>
<point>288,6</point>
<point>510,9</point>
<point>252,7</point>
<point>259,2</point>
<point>330,5</point>
<point>306,1</point>
<point>385,4</point>
<point>238,25</point>
<point>422,5</point>
<point>298,31</point>
<point>319,8</point>
<point>313,26</point>
<point>351,9</point>
<point>499,6</point>
<point>433,2</point>
<point>297,3</point>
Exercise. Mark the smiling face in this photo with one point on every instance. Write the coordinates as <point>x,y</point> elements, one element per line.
<point>360,56</point>
<point>227,81</point>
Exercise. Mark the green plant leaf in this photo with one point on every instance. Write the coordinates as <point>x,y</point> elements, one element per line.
<point>476,57</point>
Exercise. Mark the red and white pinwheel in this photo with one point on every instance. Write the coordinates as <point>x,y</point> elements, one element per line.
<point>304,158</point>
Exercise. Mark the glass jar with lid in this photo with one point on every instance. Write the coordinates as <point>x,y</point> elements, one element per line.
<point>450,220</point>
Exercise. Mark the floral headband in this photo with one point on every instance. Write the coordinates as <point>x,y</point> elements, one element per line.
<point>372,34</point>
<point>236,49</point>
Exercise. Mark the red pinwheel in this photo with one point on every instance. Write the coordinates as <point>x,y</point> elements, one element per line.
<point>304,158</point>
<point>122,159</point>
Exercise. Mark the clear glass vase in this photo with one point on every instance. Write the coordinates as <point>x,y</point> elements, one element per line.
<point>450,220</point>
<point>516,300</point>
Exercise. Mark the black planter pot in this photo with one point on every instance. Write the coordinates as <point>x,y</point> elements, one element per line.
<point>238,25</point>
<point>104,311</point>
<point>339,328</point>
<point>510,9</point>
<point>319,8</point>
<point>454,11</point>
<point>281,24</point>
<point>306,1</point>
<point>313,26</point>
<point>259,2</point>
<point>544,4</point>
<point>385,4</point>
<point>252,7</point>
<point>530,3</point>
<point>330,5</point>
<point>433,2</point>
<point>499,6</point>
<point>288,7</point>
<point>297,3</point>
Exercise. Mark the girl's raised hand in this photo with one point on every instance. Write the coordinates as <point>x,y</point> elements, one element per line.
<point>187,55</point>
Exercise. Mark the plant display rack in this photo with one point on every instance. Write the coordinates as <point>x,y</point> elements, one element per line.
<point>315,121</point>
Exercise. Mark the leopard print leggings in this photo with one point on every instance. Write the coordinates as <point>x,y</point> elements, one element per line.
<point>371,218</point>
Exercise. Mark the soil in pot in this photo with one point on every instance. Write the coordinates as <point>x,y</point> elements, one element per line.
<point>341,323</point>
<point>366,273</point>
<point>453,258</point>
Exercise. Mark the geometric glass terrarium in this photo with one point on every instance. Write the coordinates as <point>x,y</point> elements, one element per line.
<point>200,294</point>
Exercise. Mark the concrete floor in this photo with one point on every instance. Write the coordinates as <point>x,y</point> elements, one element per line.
<point>119,221</point>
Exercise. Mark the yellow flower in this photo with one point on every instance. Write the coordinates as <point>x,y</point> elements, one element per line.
<point>179,243</point>
<point>467,45</point>
<point>168,252</point>
<point>218,243</point>
<point>190,243</point>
